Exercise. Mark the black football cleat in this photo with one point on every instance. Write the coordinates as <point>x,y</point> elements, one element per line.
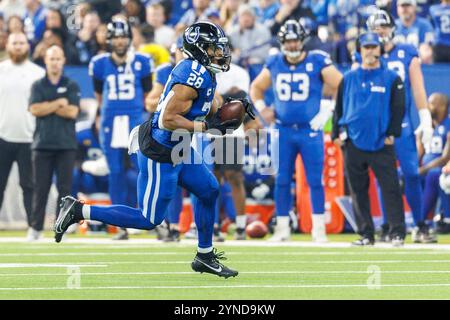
<point>209,263</point>
<point>363,241</point>
<point>66,217</point>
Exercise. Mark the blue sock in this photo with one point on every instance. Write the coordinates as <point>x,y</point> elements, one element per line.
<point>283,199</point>
<point>175,206</point>
<point>121,216</point>
<point>317,199</point>
<point>430,192</point>
<point>204,214</point>
<point>227,202</point>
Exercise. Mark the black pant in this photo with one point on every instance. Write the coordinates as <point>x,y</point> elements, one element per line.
<point>383,164</point>
<point>45,163</point>
<point>20,152</point>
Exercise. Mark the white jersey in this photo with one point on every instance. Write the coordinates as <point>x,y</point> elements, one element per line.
<point>17,124</point>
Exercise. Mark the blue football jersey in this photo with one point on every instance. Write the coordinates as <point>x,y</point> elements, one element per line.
<point>122,86</point>
<point>189,73</point>
<point>421,31</point>
<point>399,59</point>
<point>88,143</point>
<point>440,14</point>
<point>436,147</point>
<point>162,73</point>
<point>297,88</point>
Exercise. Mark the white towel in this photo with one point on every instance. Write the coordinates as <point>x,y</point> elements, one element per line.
<point>120,131</point>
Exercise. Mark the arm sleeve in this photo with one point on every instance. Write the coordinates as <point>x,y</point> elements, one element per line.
<point>397,104</point>
<point>146,83</point>
<point>338,110</point>
<point>95,73</point>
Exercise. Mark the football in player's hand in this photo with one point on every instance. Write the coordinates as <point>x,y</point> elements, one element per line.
<point>233,110</point>
<point>256,229</point>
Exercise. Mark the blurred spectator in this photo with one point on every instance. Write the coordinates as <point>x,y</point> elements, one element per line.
<point>410,28</point>
<point>198,12</point>
<point>343,15</point>
<point>79,13</point>
<point>143,41</point>
<point>55,102</point>
<point>320,10</point>
<point>17,125</point>
<point>250,41</point>
<point>12,8</point>
<point>85,42</point>
<point>228,13</point>
<point>267,10</point>
<point>440,14</point>
<point>134,11</point>
<point>3,39</point>
<point>346,46</point>
<point>423,7</point>
<point>164,35</point>
<point>313,41</point>
<point>177,9</point>
<point>290,9</point>
<point>52,37</point>
<point>101,44</point>
<point>105,8</point>
<point>14,24</point>
<point>56,20</point>
<point>34,21</point>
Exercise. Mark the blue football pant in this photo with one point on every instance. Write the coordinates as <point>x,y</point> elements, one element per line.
<point>116,157</point>
<point>309,144</point>
<point>157,186</point>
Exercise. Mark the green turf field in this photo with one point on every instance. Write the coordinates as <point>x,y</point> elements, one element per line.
<point>146,269</point>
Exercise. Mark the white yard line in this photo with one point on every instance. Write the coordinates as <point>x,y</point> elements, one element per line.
<point>229,253</point>
<point>243,286</point>
<point>82,274</point>
<point>228,243</point>
<point>296,262</point>
<point>50,265</point>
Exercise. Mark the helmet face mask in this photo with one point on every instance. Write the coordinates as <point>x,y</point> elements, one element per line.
<point>383,24</point>
<point>291,38</point>
<point>207,43</point>
<point>119,36</point>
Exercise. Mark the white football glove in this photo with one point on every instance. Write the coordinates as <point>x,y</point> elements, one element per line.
<point>133,141</point>
<point>325,112</point>
<point>98,168</point>
<point>261,191</point>
<point>425,127</point>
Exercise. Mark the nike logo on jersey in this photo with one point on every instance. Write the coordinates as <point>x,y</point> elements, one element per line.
<point>219,269</point>
<point>313,134</point>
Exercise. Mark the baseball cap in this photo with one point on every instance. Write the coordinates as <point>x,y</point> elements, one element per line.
<point>369,39</point>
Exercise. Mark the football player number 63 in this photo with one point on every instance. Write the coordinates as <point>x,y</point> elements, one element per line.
<point>287,92</point>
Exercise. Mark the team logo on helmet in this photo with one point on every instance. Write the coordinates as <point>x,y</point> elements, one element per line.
<point>192,35</point>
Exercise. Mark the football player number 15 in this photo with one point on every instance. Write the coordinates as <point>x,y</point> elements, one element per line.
<point>121,88</point>
<point>286,92</point>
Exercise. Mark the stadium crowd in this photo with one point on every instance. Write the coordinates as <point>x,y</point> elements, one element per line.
<point>333,26</point>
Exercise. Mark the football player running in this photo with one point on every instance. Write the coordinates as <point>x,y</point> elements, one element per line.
<point>297,78</point>
<point>403,58</point>
<point>187,103</point>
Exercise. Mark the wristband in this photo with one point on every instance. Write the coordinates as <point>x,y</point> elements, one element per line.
<point>198,126</point>
<point>260,105</point>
